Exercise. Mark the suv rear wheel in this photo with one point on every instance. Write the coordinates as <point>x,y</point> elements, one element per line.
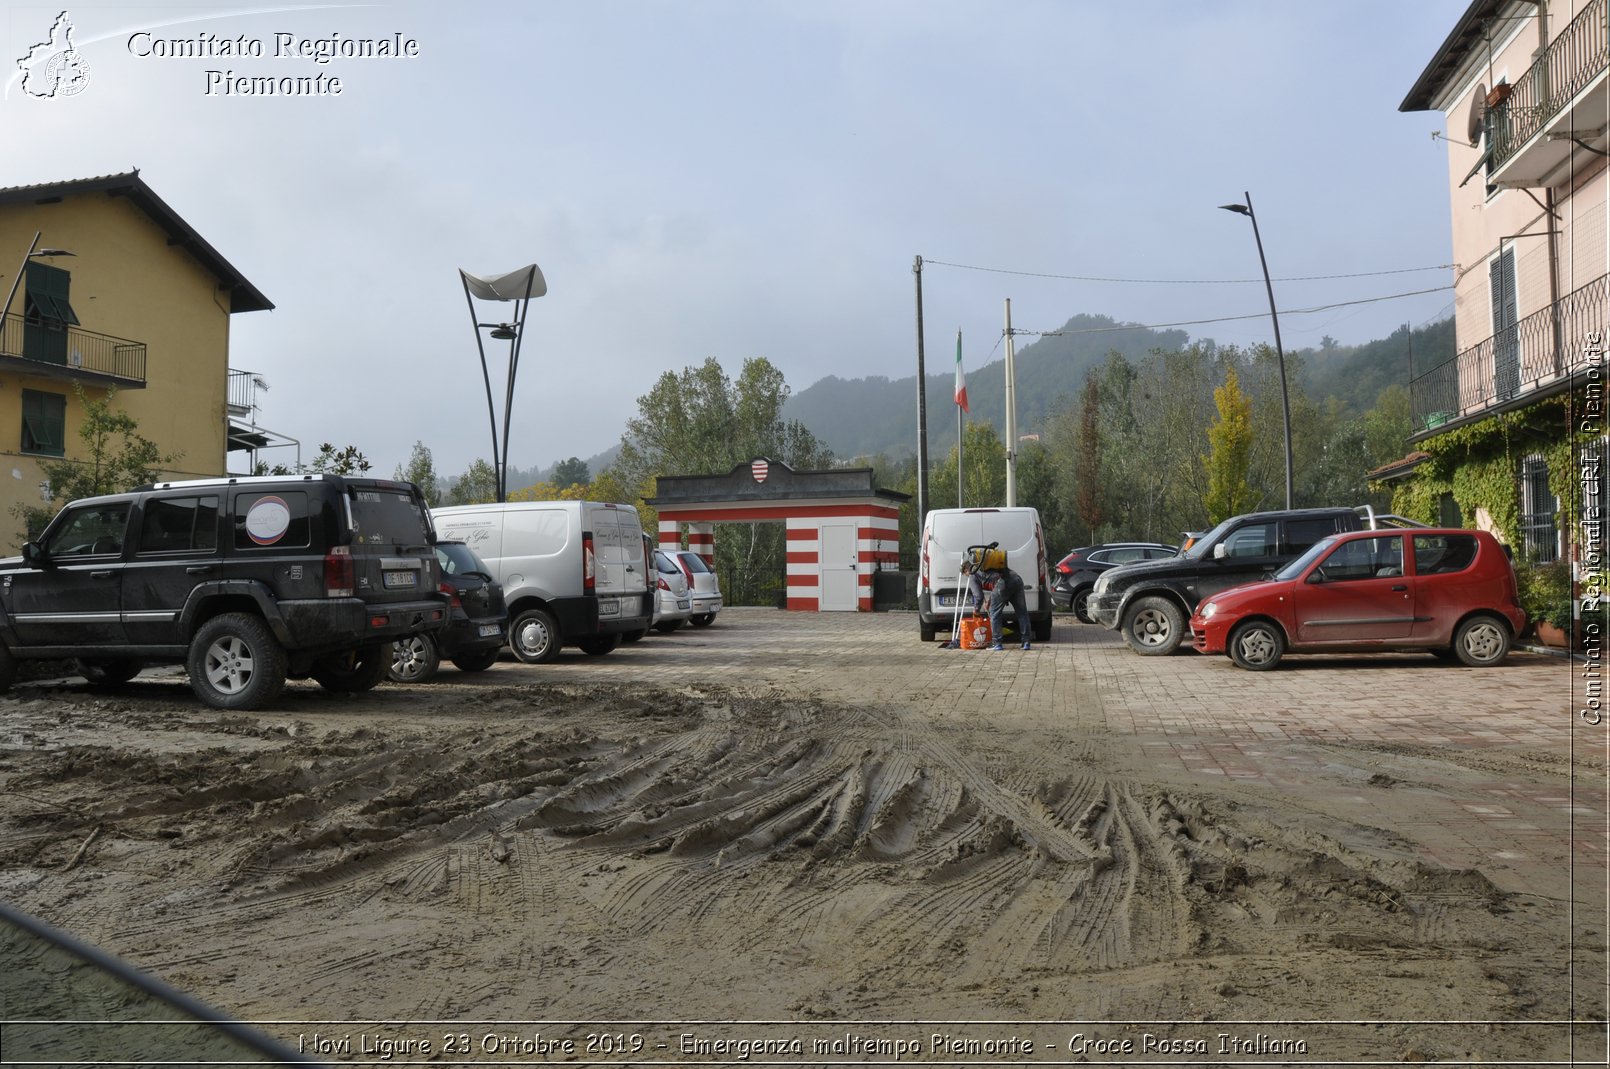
<point>1154,626</point>
<point>236,663</point>
<point>110,671</point>
<point>353,671</point>
<point>414,659</point>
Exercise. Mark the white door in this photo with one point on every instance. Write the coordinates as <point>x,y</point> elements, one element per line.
<point>840,587</point>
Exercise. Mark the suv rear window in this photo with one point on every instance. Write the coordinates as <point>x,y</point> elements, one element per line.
<point>277,519</point>
<point>386,517</point>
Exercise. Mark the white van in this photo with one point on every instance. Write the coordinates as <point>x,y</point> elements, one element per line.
<point>574,573</point>
<point>946,535</point>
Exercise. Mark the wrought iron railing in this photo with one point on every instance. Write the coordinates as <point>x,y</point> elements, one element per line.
<point>1577,55</point>
<point>1544,346</point>
<point>73,349</point>
<point>243,387</point>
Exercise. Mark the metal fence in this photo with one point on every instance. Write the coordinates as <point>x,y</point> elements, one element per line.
<point>73,348</point>
<point>1543,346</point>
<point>1577,55</point>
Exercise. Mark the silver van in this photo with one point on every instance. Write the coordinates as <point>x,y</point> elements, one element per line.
<point>574,573</point>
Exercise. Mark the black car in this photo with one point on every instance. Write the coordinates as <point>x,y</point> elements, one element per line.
<point>477,622</point>
<point>1075,575</point>
<point>247,581</point>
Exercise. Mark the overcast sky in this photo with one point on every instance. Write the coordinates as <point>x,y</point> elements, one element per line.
<point>738,178</point>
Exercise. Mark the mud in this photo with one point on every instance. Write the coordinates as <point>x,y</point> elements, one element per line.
<point>506,848</point>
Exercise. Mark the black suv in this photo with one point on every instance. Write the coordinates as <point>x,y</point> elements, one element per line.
<point>1151,602</point>
<point>245,581</point>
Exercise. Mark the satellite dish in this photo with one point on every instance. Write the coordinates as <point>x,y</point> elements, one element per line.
<point>1478,116</point>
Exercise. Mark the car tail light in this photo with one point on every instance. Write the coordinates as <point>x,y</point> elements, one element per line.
<point>1064,569</point>
<point>663,584</point>
<point>339,580</point>
<point>680,563</point>
<point>452,594</point>
<point>589,582</point>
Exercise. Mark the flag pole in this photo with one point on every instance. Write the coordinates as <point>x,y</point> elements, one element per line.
<point>960,432</point>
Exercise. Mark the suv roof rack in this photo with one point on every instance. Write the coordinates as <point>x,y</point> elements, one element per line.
<point>231,480</point>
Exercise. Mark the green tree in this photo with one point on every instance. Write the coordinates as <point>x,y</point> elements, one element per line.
<point>983,482</point>
<point>421,471</point>
<point>570,473</point>
<point>345,461</point>
<point>114,457</point>
<point>477,486</point>
<point>1229,452</point>
<point>1089,505</point>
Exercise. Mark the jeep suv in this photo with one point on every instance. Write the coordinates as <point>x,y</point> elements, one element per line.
<point>1151,602</point>
<point>245,581</point>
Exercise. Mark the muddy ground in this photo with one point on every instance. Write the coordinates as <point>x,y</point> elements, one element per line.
<point>497,858</point>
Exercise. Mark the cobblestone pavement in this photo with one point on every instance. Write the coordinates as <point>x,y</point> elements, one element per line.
<point>1481,768</point>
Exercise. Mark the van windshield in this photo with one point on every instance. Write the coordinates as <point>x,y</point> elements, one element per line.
<point>387,516</point>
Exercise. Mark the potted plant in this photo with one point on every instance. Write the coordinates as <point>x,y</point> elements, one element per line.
<point>1546,595</point>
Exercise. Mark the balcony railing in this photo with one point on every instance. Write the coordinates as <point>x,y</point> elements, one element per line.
<point>71,353</point>
<point>1547,346</point>
<point>243,387</point>
<point>1580,53</point>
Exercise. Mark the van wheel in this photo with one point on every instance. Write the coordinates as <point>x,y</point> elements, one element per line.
<point>1041,629</point>
<point>665,627</point>
<point>354,671</point>
<point>414,659</point>
<point>634,636</point>
<point>598,645</point>
<point>1154,626</point>
<point>928,632</point>
<point>1481,641</point>
<point>534,637</point>
<point>236,663</point>
<point>479,661</point>
<point>110,671</point>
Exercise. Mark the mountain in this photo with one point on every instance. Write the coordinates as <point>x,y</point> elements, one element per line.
<point>1357,374</point>
<point>873,415</point>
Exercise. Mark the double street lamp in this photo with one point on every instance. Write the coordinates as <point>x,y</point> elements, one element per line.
<point>1280,354</point>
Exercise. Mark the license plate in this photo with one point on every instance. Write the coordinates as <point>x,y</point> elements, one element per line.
<point>947,599</point>
<point>608,607</point>
<point>488,630</point>
<point>395,580</point>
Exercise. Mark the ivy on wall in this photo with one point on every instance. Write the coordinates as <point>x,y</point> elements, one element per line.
<point>1479,465</point>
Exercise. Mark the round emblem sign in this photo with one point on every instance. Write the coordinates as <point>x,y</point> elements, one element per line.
<point>267,520</point>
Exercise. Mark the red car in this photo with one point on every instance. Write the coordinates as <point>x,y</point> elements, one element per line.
<point>1440,589</point>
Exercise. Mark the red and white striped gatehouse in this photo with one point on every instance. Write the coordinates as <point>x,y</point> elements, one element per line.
<point>841,528</point>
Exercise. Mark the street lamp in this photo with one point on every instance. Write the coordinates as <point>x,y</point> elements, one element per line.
<point>33,251</point>
<point>1280,354</point>
<point>519,286</point>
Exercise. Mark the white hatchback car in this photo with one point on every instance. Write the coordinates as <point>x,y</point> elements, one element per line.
<point>704,589</point>
<point>672,605</point>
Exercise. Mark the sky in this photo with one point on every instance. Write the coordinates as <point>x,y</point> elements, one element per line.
<point>743,178</point>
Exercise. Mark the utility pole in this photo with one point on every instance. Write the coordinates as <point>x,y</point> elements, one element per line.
<point>922,412</point>
<point>1011,413</point>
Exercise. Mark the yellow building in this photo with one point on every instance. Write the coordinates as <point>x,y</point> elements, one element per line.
<point>109,289</point>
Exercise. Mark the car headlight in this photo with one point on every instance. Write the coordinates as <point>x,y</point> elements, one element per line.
<point>1208,609</point>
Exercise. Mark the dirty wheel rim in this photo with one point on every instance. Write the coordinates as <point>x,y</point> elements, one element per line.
<point>409,656</point>
<point>1484,641</point>
<point>230,665</point>
<point>534,637</point>
<point>1081,605</point>
<point>1152,627</point>
<point>1257,646</point>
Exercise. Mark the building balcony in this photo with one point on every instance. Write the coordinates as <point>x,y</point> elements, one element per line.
<point>1556,109</point>
<point>53,351</point>
<point>1540,355</point>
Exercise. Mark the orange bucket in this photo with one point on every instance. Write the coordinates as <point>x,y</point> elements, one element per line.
<point>975,632</point>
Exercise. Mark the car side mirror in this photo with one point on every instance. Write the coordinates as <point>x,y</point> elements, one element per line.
<point>1220,551</point>
<point>1317,576</point>
<point>34,555</point>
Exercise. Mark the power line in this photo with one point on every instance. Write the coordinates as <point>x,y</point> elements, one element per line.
<point>1229,319</point>
<point>1186,281</point>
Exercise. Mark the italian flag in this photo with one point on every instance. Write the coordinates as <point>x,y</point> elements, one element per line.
<point>961,379</point>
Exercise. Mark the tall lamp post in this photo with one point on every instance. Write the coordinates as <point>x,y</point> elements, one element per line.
<point>1280,354</point>
<point>33,251</point>
<point>519,286</point>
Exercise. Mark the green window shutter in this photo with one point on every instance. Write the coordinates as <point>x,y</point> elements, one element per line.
<point>48,288</point>
<point>44,423</point>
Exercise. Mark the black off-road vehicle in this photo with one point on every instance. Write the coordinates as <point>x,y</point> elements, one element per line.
<point>246,581</point>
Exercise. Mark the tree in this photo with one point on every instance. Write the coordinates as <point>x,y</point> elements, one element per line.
<point>477,486</point>
<point>421,471</point>
<point>333,461</point>
<point>570,473</point>
<point>1229,452</point>
<point>1087,461</point>
<point>115,457</point>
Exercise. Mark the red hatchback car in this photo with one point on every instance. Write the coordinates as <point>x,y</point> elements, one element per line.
<point>1440,589</point>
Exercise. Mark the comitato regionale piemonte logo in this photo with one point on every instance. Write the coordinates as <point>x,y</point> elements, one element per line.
<point>53,67</point>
